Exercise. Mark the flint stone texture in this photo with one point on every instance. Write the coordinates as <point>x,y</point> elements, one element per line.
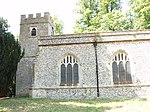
<point>38,72</point>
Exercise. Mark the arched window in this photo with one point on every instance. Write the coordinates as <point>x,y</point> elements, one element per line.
<point>69,74</point>
<point>69,71</point>
<point>121,72</point>
<point>33,32</point>
<point>75,72</point>
<point>63,74</point>
<point>121,69</point>
<point>128,72</point>
<point>115,72</point>
<point>52,31</point>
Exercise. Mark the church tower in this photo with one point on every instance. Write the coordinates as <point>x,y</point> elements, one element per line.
<point>31,29</point>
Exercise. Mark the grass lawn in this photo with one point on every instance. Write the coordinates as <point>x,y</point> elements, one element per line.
<point>94,105</point>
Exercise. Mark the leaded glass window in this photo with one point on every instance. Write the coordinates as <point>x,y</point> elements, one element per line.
<point>75,72</point>
<point>115,72</point>
<point>69,71</point>
<point>128,72</point>
<point>121,69</point>
<point>121,72</point>
<point>63,74</point>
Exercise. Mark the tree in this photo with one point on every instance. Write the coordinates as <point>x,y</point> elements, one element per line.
<point>58,26</point>
<point>88,9</point>
<point>102,15</point>
<point>114,21</point>
<point>10,55</point>
<point>141,12</point>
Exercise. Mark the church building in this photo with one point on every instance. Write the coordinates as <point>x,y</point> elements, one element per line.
<point>76,66</point>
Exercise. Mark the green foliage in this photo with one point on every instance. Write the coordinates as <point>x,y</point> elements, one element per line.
<point>114,21</point>
<point>141,9</point>
<point>58,26</point>
<point>102,15</point>
<point>108,6</point>
<point>88,9</point>
<point>3,25</point>
<point>107,15</point>
<point>10,55</point>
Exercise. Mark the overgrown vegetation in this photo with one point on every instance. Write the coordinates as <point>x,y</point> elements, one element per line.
<point>94,105</point>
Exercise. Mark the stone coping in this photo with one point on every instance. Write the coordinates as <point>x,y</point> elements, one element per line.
<point>90,38</point>
<point>94,34</point>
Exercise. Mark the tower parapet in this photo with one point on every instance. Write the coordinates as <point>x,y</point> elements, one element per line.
<point>30,19</point>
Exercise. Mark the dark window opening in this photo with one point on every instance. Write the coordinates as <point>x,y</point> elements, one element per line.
<point>75,72</point>
<point>63,74</point>
<point>115,72</point>
<point>67,59</point>
<point>33,32</point>
<point>115,58</point>
<point>69,74</point>
<point>119,57</point>
<point>70,59</point>
<point>122,56</point>
<point>52,31</point>
<point>121,72</point>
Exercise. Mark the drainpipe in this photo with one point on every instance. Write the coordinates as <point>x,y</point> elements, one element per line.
<point>97,79</point>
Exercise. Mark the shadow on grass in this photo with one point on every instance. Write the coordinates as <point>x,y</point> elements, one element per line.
<point>71,108</point>
<point>108,100</point>
<point>89,101</point>
<point>51,105</point>
<point>47,105</point>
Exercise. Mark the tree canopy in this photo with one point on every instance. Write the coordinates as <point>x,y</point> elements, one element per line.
<point>141,12</point>
<point>107,15</point>
<point>3,25</point>
<point>10,55</point>
<point>58,26</point>
<point>88,10</point>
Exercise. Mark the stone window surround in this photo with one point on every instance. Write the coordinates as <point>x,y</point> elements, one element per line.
<point>123,58</point>
<point>72,60</point>
<point>31,28</point>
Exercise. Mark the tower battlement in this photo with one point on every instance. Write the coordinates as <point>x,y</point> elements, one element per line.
<point>38,15</point>
<point>30,18</point>
<point>32,27</point>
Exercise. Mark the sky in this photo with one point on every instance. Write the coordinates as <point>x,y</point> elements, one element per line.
<point>63,9</point>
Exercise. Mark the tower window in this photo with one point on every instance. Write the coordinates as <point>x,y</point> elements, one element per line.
<point>69,71</point>
<point>121,69</point>
<point>33,31</point>
<point>52,31</point>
